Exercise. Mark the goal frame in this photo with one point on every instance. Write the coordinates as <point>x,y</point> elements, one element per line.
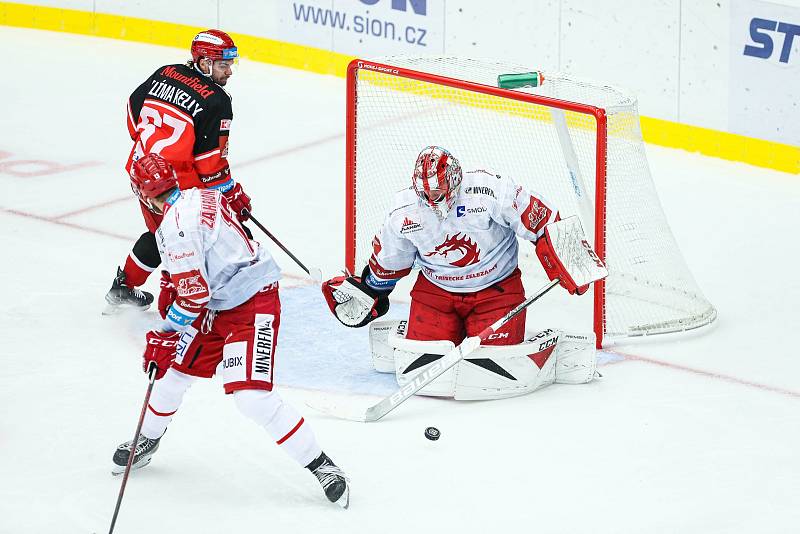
<point>599,114</point>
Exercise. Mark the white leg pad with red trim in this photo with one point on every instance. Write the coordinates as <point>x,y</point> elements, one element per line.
<point>491,371</point>
<point>281,421</point>
<point>165,400</point>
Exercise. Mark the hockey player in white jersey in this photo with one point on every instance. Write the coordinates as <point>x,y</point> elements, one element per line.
<point>460,229</point>
<point>226,309</point>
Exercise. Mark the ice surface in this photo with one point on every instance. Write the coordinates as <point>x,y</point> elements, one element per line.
<point>691,434</point>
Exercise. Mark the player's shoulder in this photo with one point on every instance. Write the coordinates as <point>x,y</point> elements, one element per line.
<point>405,207</point>
<point>195,200</point>
<point>482,183</point>
<point>403,201</point>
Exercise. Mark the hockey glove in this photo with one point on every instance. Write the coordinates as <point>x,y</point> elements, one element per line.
<point>167,295</point>
<point>239,202</point>
<point>353,302</point>
<point>160,349</point>
<point>554,268</point>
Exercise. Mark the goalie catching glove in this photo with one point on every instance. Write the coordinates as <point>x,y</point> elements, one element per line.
<point>353,302</point>
<point>566,254</point>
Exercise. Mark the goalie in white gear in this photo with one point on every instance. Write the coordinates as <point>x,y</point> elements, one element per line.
<point>460,229</point>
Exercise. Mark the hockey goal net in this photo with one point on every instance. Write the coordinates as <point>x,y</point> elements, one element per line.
<point>576,143</point>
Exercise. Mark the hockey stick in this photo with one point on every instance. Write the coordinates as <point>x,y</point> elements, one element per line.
<point>314,273</point>
<point>465,348</point>
<point>151,372</point>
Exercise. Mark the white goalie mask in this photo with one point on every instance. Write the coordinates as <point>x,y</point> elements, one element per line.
<point>437,178</point>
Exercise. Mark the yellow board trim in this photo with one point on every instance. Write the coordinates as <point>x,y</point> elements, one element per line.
<point>706,141</point>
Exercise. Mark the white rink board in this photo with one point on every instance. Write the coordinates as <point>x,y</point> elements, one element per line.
<point>683,59</point>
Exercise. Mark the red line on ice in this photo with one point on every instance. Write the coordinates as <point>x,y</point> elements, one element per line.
<point>708,374</point>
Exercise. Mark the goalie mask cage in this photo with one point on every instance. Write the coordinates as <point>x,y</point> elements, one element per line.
<point>578,144</point>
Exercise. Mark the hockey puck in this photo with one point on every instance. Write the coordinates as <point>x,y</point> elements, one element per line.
<point>432,433</point>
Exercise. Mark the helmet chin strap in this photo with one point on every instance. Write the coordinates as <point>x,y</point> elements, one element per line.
<point>198,69</point>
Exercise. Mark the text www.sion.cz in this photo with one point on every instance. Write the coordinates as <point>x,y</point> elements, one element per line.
<point>374,27</point>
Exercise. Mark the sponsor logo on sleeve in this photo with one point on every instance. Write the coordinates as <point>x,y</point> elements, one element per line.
<point>535,215</point>
<point>175,256</point>
<point>480,190</point>
<point>386,274</point>
<point>410,226</point>
<point>225,125</point>
<point>190,285</point>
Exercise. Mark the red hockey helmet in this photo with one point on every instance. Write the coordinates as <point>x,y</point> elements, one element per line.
<point>213,44</point>
<point>152,176</point>
<point>437,178</point>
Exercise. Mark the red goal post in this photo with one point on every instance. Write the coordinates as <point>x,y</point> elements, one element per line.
<point>398,106</point>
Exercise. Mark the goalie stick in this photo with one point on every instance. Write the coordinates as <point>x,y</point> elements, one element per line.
<point>314,273</point>
<point>580,263</point>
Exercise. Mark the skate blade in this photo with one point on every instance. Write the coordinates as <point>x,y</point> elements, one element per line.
<point>119,469</point>
<point>116,309</point>
<point>344,500</point>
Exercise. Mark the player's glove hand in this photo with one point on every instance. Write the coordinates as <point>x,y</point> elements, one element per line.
<point>553,267</point>
<point>167,295</point>
<point>239,202</point>
<point>353,302</point>
<point>160,349</point>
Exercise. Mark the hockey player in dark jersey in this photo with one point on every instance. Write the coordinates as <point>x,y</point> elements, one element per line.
<point>183,113</point>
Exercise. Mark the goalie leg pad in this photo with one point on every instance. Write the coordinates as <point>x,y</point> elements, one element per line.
<point>503,371</point>
<point>412,357</point>
<point>382,352</point>
<point>576,359</point>
<point>492,371</point>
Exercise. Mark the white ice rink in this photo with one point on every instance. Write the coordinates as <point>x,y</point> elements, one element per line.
<point>699,434</point>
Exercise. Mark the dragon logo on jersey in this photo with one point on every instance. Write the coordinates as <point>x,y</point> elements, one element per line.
<point>535,215</point>
<point>470,254</point>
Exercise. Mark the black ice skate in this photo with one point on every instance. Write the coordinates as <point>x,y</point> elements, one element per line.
<point>333,480</point>
<point>144,453</point>
<point>121,295</point>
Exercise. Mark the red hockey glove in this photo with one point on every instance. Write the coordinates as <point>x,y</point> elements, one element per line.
<point>167,295</point>
<point>161,347</point>
<point>239,202</point>
<point>353,302</point>
<point>553,267</point>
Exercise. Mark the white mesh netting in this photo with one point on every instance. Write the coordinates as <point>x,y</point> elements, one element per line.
<point>649,289</point>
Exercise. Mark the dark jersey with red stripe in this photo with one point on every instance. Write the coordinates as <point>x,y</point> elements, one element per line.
<point>185,117</point>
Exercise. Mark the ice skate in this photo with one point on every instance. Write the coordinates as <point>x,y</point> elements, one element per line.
<point>144,453</point>
<point>121,296</point>
<point>333,480</point>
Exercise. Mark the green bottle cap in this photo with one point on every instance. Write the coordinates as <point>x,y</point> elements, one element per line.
<point>522,79</point>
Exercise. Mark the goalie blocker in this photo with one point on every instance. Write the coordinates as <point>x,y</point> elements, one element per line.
<point>491,371</point>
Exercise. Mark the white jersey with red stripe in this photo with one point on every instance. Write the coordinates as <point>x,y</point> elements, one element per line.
<point>474,247</point>
<point>209,257</point>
